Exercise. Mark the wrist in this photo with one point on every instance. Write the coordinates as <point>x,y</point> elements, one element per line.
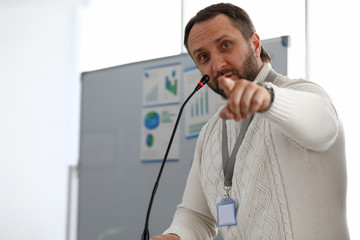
<point>270,89</point>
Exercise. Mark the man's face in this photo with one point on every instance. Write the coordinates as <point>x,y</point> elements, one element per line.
<point>219,49</point>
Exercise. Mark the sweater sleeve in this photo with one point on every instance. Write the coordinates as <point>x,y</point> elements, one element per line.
<point>305,113</point>
<point>193,219</point>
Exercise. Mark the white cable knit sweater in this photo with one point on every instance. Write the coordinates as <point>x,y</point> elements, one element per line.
<point>289,177</point>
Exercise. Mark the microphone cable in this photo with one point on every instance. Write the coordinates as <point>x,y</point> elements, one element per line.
<point>145,236</point>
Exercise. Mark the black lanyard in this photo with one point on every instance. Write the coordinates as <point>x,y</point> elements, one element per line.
<point>229,160</point>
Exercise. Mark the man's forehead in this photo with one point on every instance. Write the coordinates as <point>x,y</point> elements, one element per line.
<point>220,19</point>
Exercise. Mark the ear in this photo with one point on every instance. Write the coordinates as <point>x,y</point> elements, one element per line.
<point>255,40</point>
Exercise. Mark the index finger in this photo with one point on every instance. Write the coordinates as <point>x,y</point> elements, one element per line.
<point>226,84</point>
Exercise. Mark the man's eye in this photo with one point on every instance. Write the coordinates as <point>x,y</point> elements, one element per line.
<point>226,45</point>
<point>202,57</point>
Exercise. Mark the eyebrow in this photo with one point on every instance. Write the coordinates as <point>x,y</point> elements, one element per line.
<point>221,37</point>
<point>216,41</point>
<point>196,51</point>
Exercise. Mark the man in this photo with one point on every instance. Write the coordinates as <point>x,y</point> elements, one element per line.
<point>289,173</point>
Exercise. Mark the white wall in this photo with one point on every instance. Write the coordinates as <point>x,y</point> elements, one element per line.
<point>38,117</point>
<point>117,32</point>
<point>334,53</point>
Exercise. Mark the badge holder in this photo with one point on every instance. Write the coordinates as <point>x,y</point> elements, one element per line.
<point>226,211</point>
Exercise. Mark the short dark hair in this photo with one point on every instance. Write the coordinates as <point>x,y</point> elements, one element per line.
<point>238,16</point>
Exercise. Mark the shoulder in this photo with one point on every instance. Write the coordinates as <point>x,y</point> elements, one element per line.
<point>299,84</point>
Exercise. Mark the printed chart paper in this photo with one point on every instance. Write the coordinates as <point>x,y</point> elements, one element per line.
<point>161,97</point>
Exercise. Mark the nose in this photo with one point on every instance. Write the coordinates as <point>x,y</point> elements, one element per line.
<point>218,63</point>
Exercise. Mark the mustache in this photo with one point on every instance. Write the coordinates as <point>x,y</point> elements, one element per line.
<point>225,71</point>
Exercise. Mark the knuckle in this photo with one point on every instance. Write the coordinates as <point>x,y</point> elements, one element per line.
<point>233,102</point>
<point>255,102</point>
<point>242,83</point>
<point>245,103</point>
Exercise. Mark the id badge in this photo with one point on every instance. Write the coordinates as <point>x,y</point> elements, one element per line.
<point>226,212</point>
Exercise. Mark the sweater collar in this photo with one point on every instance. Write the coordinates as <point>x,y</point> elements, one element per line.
<point>263,72</point>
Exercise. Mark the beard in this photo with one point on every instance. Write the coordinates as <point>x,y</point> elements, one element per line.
<point>248,71</point>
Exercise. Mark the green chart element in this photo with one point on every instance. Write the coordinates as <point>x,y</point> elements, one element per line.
<point>149,140</point>
<point>172,86</point>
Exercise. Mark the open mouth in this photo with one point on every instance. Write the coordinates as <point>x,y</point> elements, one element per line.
<point>228,75</point>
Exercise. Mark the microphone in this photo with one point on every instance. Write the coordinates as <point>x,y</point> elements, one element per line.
<point>145,236</point>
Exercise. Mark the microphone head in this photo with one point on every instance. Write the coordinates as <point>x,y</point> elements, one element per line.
<point>205,79</point>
